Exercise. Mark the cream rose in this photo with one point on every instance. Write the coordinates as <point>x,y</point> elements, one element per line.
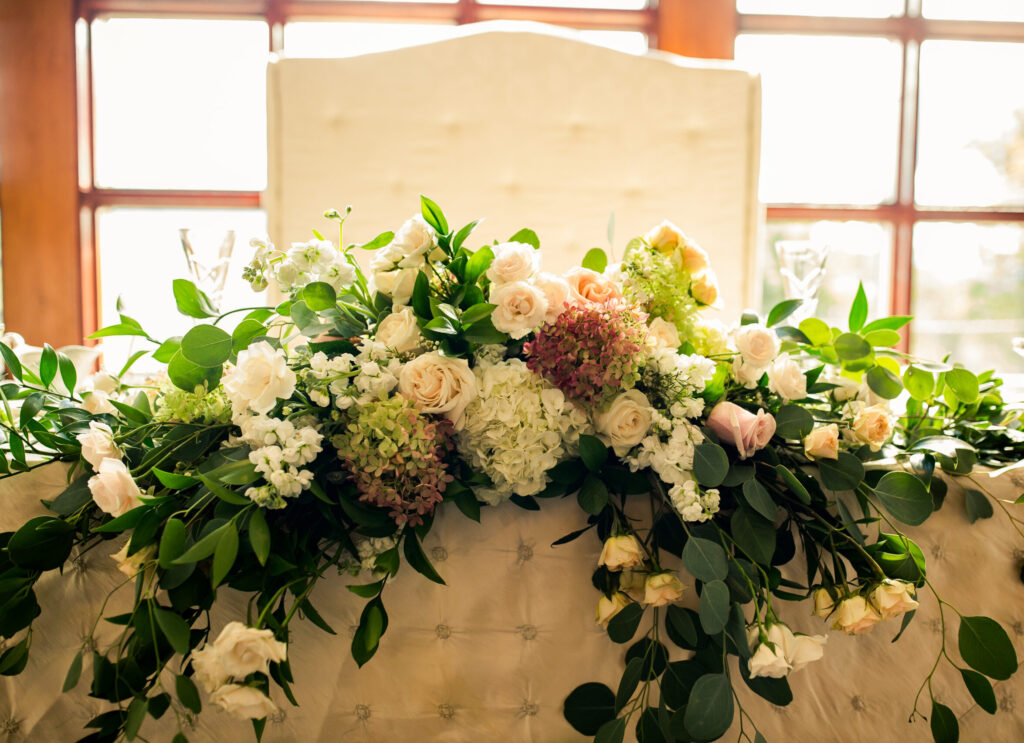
<point>626,421</point>
<point>704,286</point>
<point>590,286</point>
<point>746,374</point>
<point>893,597</point>
<point>513,262</point>
<point>609,606</point>
<point>855,616</point>
<point>633,582</point>
<point>260,378</point>
<point>824,604</point>
<point>438,384</point>
<point>694,258</point>
<point>768,659</point>
<point>786,379</point>
<point>520,308</point>
<point>661,589</point>
<point>845,388</point>
<point>741,428</point>
<point>873,426</point>
<point>399,331</point>
<point>621,552</point>
<point>756,344</point>
<point>804,649</point>
<point>663,334</point>
<point>243,702</point>
<point>113,488</point>
<point>556,291</point>
<point>97,403</point>
<point>397,284</point>
<point>414,240</point>
<point>208,670</point>
<point>242,650</point>
<point>665,237</point>
<point>822,442</point>
<point>98,444</point>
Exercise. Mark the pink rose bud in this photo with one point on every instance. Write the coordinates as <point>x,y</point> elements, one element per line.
<point>741,428</point>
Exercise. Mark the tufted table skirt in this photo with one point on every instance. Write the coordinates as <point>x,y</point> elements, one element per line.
<point>492,656</point>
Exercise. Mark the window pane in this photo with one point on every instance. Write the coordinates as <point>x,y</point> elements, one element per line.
<point>851,8</point>
<point>967,299</point>
<point>830,122</point>
<point>602,4</point>
<point>979,10</point>
<point>631,42</point>
<point>971,140</point>
<point>343,39</point>
<point>140,254</point>
<point>180,103</point>
<point>858,251</point>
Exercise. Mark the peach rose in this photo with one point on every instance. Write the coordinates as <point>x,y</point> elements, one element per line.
<point>873,426</point>
<point>822,442</point>
<point>438,384</point>
<point>855,616</point>
<point>621,552</point>
<point>741,428</point>
<point>893,597</point>
<point>704,286</point>
<point>590,286</point>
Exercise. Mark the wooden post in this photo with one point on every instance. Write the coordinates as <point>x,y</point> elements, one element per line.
<point>697,28</point>
<point>47,286</point>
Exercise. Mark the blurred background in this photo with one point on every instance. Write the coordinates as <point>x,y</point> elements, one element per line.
<point>893,131</point>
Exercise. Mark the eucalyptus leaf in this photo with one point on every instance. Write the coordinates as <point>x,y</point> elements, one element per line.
<point>709,711</point>
<point>705,560</point>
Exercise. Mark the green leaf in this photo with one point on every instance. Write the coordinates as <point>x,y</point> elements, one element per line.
<point>986,648</point>
<point>483,331</point>
<point>244,333</point>
<point>378,242</point>
<point>465,232</point>
<point>175,629</point>
<point>882,338</point>
<point>628,683</point>
<point>191,301</point>
<point>793,422</point>
<point>593,495</point>
<point>47,365</point>
<point>680,627</point>
<point>433,214</point>
<point>42,543</point>
<point>124,368</point>
<point>593,452</point>
<point>919,383</point>
<point>226,495</point>
<point>705,560</point>
<point>851,347</point>
<point>709,711</point>
<point>714,607</point>
<point>32,405</point>
<point>817,332</point>
<point>754,534</point>
<point>844,473</point>
<point>783,310</point>
<point>710,464</point>
<point>887,323</point>
<point>978,505</point>
<point>859,309</point>
<point>11,361</point>
<point>624,625</point>
<point>203,548</point>
<point>74,673</point>
<point>188,376</point>
<point>477,312</point>
<point>884,383</point>
<point>415,556</point>
<point>319,295</point>
<point>612,731</point>
<point>188,694</point>
<point>136,714</point>
<point>172,543</point>
<point>173,481</point>
<point>167,349</point>
<point>373,622</point>
<point>225,553</point>
<point>945,728</point>
<point>259,536</point>
<point>757,497</point>
<point>794,485</point>
<point>368,590</point>
<point>980,689</point>
<point>466,501</point>
<point>479,262</point>
<point>596,260</point>
<point>964,384</point>
<point>421,297</point>
<point>526,236</point>
<point>117,330</point>
<point>905,497</point>
<point>206,345</point>
<point>588,707</point>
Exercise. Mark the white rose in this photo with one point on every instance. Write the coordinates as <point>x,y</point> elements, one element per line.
<point>520,308</point>
<point>438,384</point>
<point>804,649</point>
<point>769,657</point>
<point>786,380</point>
<point>242,650</point>
<point>556,292</point>
<point>414,239</point>
<point>399,331</point>
<point>243,702</point>
<point>208,670</point>
<point>97,403</point>
<point>704,286</point>
<point>893,597</point>
<point>694,258</point>
<point>757,344</point>
<point>845,389</point>
<point>663,334</point>
<point>260,378</point>
<point>98,444</point>
<point>397,284</point>
<point>626,421</point>
<point>873,426</point>
<point>746,374</point>
<point>608,607</point>
<point>822,442</point>
<point>113,488</point>
<point>513,262</point>
<point>103,382</point>
<point>855,616</point>
<point>621,552</point>
<point>824,604</point>
<point>662,589</point>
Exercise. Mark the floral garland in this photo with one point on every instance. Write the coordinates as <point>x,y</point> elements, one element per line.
<point>323,434</point>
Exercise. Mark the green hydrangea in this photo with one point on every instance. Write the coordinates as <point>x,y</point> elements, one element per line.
<point>208,408</point>
<point>653,281</point>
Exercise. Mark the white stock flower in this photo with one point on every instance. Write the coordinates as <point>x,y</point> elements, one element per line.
<point>113,488</point>
<point>626,421</point>
<point>399,331</point>
<point>520,308</point>
<point>513,261</point>
<point>786,379</point>
<point>438,384</point>
<point>98,444</point>
<point>260,378</point>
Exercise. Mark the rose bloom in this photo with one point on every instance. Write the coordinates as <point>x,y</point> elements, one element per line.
<point>513,262</point>
<point>893,597</point>
<point>520,308</point>
<point>741,428</point>
<point>746,374</point>
<point>757,344</point>
<point>855,616</point>
<point>609,606</point>
<point>97,403</point>
<point>397,284</point>
<point>704,286</point>
<point>621,552</point>
<point>786,379</point>
<point>661,589</point>
<point>768,659</point>
<point>822,442</point>
<point>663,334</point>
<point>98,444</point>
<point>261,377</point>
<point>626,421</point>
<point>873,426</point>
<point>665,237</point>
<point>694,258</point>
<point>399,331</point>
<point>804,649</point>
<point>824,604</point>
<point>438,384</point>
<point>113,488</point>
<point>590,286</point>
<point>633,582</point>
<point>241,650</point>
<point>414,239</point>
<point>243,702</point>
<point>132,565</point>
<point>556,292</point>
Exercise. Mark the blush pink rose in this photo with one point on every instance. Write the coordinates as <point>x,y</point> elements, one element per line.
<point>741,428</point>
<point>590,286</point>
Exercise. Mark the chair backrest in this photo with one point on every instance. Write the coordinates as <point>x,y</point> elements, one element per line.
<point>526,129</point>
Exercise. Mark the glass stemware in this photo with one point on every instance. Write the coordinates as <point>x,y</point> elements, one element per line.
<point>802,266</point>
<point>212,276</point>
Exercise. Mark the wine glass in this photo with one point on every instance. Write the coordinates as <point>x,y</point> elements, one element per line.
<point>1017,344</point>
<point>210,276</point>
<point>802,265</point>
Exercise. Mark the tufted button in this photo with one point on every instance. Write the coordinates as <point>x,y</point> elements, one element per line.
<point>523,553</point>
<point>79,563</point>
<point>1017,627</point>
<point>10,726</point>
<point>446,711</point>
<point>934,625</point>
<point>528,709</point>
<point>1007,703</point>
<point>362,712</point>
<point>443,631</point>
<point>440,554</point>
<point>278,717</point>
<point>337,477</point>
<point>937,551</point>
<point>858,704</point>
<point>527,631</point>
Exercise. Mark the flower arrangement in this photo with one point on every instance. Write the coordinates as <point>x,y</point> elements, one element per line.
<point>324,433</point>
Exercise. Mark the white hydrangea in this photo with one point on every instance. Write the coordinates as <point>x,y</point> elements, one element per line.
<point>280,448</point>
<point>517,428</point>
